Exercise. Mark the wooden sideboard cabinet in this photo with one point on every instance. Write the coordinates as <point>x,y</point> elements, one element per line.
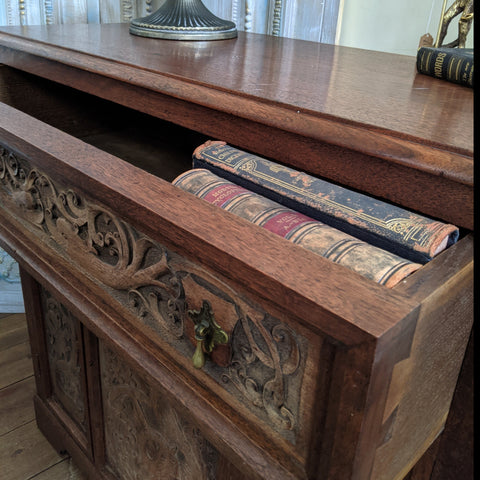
<point>326,374</point>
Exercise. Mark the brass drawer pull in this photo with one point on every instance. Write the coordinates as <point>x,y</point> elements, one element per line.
<point>207,333</point>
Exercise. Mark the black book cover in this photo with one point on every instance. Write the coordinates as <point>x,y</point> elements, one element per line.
<point>452,64</point>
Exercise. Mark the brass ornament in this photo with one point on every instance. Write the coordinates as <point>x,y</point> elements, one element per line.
<point>463,7</point>
<point>208,333</point>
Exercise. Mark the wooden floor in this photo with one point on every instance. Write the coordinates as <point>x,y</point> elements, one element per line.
<point>24,451</point>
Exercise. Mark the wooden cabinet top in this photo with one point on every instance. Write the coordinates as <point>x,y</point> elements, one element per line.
<point>361,118</point>
<point>331,375</point>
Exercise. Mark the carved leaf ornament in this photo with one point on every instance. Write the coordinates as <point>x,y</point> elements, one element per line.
<point>265,363</point>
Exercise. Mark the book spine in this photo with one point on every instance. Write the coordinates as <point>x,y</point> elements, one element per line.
<point>450,65</point>
<point>386,226</point>
<point>374,263</point>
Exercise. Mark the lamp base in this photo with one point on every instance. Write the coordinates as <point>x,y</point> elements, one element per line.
<point>183,20</point>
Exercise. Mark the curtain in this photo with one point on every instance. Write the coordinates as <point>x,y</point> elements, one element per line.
<point>314,20</point>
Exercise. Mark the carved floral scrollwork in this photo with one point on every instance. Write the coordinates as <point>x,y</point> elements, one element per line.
<point>266,354</point>
<point>19,185</point>
<point>109,249</point>
<point>145,436</point>
<point>267,360</point>
<point>64,357</point>
<point>159,286</point>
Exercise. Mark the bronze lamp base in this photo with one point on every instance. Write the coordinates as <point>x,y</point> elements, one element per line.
<point>183,20</point>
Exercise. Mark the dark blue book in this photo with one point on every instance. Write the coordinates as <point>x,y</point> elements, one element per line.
<point>451,64</point>
<point>387,226</point>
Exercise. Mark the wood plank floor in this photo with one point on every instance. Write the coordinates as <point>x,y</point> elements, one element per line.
<point>24,452</point>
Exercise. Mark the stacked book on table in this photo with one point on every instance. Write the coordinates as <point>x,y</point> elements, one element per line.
<point>380,241</point>
<point>451,64</point>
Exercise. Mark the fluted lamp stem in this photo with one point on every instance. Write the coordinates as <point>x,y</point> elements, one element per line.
<point>183,20</point>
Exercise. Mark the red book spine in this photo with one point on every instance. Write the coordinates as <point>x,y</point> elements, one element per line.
<point>372,262</point>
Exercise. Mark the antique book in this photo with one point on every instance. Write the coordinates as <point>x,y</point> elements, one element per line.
<point>391,228</point>
<point>452,64</point>
<point>372,262</point>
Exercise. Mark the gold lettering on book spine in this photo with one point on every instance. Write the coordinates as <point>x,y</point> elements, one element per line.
<point>249,164</point>
<point>439,64</point>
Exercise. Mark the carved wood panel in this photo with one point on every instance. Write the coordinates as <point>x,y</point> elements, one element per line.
<point>65,357</point>
<point>145,437</point>
<point>265,362</point>
<point>315,20</point>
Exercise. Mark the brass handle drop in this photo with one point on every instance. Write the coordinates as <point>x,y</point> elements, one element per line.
<point>208,333</point>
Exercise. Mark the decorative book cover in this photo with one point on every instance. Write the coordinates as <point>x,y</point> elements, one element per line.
<point>386,226</point>
<point>374,263</point>
<point>452,64</point>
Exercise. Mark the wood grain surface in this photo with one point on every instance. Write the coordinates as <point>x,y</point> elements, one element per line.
<point>299,280</point>
<point>373,90</point>
<point>24,451</point>
<point>364,119</point>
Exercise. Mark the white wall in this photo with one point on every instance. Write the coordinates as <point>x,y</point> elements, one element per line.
<point>392,25</point>
<point>386,25</point>
<point>11,300</point>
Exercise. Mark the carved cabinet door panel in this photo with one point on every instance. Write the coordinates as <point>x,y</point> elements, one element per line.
<point>65,358</point>
<point>118,417</point>
<point>145,437</point>
<point>56,338</point>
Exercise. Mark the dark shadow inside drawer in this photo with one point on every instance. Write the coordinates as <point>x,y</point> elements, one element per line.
<point>155,145</point>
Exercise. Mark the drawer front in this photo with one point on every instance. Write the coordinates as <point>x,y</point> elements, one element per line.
<point>263,369</point>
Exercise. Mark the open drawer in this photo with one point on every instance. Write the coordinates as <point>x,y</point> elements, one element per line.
<point>325,374</point>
